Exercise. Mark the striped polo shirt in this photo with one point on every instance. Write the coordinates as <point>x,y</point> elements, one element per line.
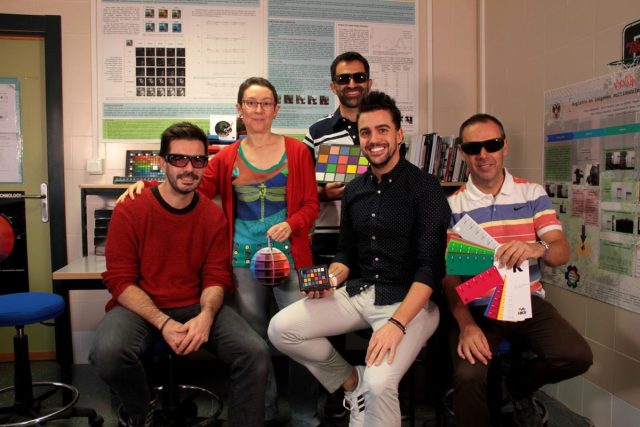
<point>521,211</point>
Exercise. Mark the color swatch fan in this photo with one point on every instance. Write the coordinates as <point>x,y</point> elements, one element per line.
<point>270,266</point>
<point>340,163</point>
<point>467,259</point>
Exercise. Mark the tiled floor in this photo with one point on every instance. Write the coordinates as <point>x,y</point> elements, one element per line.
<point>96,395</point>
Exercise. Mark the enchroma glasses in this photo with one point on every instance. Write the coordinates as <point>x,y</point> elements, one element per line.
<point>491,145</point>
<point>181,160</point>
<point>344,79</point>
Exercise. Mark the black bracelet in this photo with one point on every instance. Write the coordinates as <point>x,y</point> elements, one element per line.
<point>399,325</point>
<point>164,323</point>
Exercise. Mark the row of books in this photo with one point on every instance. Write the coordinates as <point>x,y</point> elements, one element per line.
<point>439,155</point>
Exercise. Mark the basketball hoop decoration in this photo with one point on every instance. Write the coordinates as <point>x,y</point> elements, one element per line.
<point>630,47</point>
<point>270,266</point>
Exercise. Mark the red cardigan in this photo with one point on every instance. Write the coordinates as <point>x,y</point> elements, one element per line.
<point>302,194</point>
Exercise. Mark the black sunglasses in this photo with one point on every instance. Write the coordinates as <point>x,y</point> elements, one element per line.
<point>491,145</point>
<point>181,160</point>
<point>344,79</point>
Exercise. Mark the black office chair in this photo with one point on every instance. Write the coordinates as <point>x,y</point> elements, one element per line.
<point>178,405</point>
<point>22,309</point>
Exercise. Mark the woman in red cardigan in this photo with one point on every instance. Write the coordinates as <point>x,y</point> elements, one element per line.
<point>266,183</point>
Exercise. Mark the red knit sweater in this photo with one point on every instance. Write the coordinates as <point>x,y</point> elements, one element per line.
<point>170,254</point>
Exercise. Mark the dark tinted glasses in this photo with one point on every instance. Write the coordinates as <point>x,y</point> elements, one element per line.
<point>491,145</point>
<point>181,160</point>
<point>344,79</point>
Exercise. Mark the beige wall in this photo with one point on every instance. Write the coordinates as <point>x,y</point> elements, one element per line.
<point>533,46</point>
<point>455,63</point>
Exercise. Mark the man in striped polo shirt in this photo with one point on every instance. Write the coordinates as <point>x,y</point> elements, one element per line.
<point>350,82</point>
<point>520,216</point>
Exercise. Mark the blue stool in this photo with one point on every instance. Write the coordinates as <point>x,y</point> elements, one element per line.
<point>176,404</point>
<point>22,309</point>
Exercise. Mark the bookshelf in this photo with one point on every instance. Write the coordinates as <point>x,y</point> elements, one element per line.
<point>439,155</point>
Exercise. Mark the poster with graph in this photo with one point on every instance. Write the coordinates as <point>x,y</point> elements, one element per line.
<point>592,141</point>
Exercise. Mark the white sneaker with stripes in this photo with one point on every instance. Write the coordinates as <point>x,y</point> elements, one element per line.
<point>354,401</point>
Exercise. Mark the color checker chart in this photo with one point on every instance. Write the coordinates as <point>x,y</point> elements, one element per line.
<point>314,278</point>
<point>339,163</point>
<point>144,165</point>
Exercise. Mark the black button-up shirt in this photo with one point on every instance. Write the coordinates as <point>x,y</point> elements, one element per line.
<point>393,233</point>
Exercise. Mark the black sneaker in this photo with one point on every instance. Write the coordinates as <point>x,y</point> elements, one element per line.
<point>333,407</point>
<point>405,408</point>
<point>526,412</point>
<point>148,421</point>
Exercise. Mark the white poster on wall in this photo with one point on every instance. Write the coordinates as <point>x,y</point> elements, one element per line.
<point>10,131</point>
<point>592,134</point>
<point>160,62</point>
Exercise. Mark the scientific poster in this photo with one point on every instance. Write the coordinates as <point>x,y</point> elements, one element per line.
<point>10,131</point>
<point>592,141</point>
<point>14,274</point>
<point>159,62</point>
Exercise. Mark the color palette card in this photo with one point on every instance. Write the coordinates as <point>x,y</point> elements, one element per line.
<point>467,259</point>
<point>314,278</point>
<point>515,301</point>
<point>479,285</point>
<point>470,230</point>
<point>339,163</point>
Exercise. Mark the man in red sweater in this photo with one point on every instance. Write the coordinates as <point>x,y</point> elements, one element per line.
<point>167,271</point>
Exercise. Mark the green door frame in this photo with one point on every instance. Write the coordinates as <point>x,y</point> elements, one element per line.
<point>49,27</point>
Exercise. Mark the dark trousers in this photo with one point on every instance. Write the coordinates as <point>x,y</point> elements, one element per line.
<point>561,351</point>
<point>123,337</point>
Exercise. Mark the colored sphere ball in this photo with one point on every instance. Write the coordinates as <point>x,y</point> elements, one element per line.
<point>270,266</point>
<point>7,238</point>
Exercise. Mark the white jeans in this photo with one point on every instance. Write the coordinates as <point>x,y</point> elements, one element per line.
<point>300,331</point>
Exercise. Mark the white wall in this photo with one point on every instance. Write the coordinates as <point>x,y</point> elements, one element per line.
<point>533,46</point>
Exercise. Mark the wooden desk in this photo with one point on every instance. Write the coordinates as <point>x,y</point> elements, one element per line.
<point>80,274</point>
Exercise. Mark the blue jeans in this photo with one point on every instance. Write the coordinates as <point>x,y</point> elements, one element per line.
<point>123,336</point>
<point>252,302</point>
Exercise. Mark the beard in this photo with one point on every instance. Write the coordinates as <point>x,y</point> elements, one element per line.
<point>380,162</point>
<point>350,101</point>
<point>190,188</point>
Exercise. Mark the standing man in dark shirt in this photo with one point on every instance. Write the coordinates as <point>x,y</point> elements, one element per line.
<point>350,82</point>
<point>392,241</point>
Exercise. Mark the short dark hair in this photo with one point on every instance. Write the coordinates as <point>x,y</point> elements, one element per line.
<point>375,101</point>
<point>182,130</point>
<point>481,118</point>
<point>260,81</point>
<point>348,57</point>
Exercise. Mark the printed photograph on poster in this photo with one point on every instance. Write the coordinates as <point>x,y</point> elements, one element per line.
<point>623,191</point>
<point>620,159</point>
<point>617,222</point>
<point>14,273</point>
<point>593,174</point>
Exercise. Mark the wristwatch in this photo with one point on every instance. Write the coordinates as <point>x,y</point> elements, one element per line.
<point>546,246</point>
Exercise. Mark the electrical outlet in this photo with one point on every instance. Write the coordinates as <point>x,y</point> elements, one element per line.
<point>95,166</point>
